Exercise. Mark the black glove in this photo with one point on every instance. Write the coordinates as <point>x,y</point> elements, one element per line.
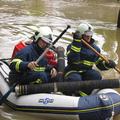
<point>111,64</point>
<point>77,35</point>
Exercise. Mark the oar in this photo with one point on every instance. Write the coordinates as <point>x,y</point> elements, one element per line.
<point>43,54</point>
<point>4,97</point>
<point>103,57</point>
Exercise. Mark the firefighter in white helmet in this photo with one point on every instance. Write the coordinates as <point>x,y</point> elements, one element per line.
<point>24,64</point>
<point>81,58</point>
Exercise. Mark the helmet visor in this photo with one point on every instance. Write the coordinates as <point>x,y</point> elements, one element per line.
<point>47,40</point>
<point>88,33</point>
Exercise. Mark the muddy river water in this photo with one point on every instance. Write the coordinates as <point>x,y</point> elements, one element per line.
<point>20,18</point>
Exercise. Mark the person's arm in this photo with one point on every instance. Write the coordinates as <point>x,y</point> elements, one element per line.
<point>19,63</point>
<point>73,50</point>
<point>102,65</point>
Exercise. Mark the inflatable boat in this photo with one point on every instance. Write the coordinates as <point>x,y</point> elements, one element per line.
<point>101,105</point>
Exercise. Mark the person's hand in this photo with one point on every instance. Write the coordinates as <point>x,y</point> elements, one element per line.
<point>32,65</point>
<point>110,64</point>
<point>77,35</point>
<point>53,73</point>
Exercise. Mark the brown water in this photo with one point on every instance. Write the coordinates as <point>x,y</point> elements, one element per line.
<point>19,19</point>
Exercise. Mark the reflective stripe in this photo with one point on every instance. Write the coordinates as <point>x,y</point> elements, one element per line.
<point>17,65</point>
<point>76,49</point>
<point>88,63</point>
<point>98,61</point>
<point>72,71</point>
<point>42,69</point>
<point>68,52</point>
<point>16,60</point>
<point>82,93</point>
<point>38,81</point>
<point>77,40</point>
<point>85,62</point>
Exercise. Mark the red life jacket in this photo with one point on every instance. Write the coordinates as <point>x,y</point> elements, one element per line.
<point>18,47</point>
<point>50,55</point>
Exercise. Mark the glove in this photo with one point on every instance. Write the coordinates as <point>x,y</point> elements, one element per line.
<point>77,35</point>
<point>110,64</point>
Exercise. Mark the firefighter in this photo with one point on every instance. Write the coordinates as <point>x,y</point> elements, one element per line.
<point>81,58</point>
<point>24,66</point>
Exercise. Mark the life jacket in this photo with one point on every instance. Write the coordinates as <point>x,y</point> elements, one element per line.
<point>18,47</point>
<point>50,55</point>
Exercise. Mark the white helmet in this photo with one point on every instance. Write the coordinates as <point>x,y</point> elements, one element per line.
<point>45,33</point>
<point>85,28</point>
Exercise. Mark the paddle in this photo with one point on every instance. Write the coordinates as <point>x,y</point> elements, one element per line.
<point>51,45</point>
<point>103,57</point>
<point>4,97</point>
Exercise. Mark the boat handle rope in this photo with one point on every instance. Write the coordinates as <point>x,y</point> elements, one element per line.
<point>113,108</point>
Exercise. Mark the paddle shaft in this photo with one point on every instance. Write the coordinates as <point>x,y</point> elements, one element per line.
<point>46,50</point>
<point>103,57</point>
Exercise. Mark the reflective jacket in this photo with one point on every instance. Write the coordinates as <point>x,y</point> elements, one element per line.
<point>26,55</point>
<point>81,58</point>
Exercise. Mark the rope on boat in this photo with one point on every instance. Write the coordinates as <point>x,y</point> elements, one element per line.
<point>113,108</point>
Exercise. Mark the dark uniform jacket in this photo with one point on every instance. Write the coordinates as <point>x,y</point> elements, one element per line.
<point>82,58</point>
<point>30,53</point>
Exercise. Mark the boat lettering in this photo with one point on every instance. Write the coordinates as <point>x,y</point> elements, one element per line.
<point>46,100</point>
<point>104,97</point>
